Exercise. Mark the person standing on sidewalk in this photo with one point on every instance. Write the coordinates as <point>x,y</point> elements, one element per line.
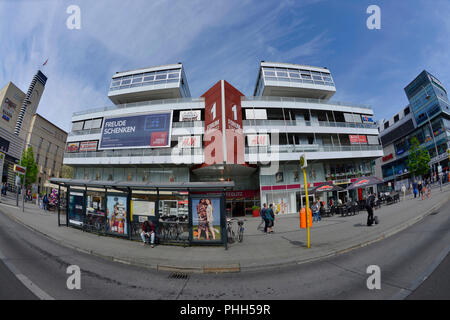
<point>45,202</point>
<point>315,211</point>
<point>262,214</point>
<point>270,217</point>
<point>420,188</point>
<point>369,207</point>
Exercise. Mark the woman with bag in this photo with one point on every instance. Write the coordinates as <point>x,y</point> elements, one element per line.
<point>270,217</point>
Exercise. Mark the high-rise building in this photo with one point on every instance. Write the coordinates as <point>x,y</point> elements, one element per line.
<point>427,117</point>
<point>156,132</point>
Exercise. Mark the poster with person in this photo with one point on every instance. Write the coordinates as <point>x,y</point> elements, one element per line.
<point>206,219</point>
<point>116,213</point>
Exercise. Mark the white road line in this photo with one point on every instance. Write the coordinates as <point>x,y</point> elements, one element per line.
<point>38,292</point>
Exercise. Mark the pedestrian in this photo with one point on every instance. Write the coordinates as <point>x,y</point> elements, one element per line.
<point>404,191</point>
<point>428,188</point>
<point>420,188</point>
<point>270,217</point>
<point>45,202</point>
<point>262,214</point>
<point>315,211</point>
<point>148,231</point>
<point>370,201</point>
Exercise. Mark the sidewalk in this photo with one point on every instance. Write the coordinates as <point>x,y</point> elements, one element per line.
<point>258,251</point>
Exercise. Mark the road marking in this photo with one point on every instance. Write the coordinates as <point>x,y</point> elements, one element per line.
<point>38,292</point>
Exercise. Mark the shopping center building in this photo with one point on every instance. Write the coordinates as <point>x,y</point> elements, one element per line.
<point>427,118</point>
<point>155,132</point>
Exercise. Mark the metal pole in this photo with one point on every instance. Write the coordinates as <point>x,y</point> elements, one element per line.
<point>307,208</point>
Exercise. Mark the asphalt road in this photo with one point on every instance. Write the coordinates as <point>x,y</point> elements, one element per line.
<point>405,260</point>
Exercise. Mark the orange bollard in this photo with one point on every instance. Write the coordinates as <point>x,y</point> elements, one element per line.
<point>303,218</point>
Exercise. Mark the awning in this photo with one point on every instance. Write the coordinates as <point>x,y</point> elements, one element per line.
<point>327,187</point>
<point>364,182</point>
<point>219,185</point>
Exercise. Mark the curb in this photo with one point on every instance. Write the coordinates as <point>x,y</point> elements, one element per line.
<point>237,268</point>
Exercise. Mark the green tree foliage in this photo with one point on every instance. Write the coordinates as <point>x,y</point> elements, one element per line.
<point>418,159</point>
<point>29,163</point>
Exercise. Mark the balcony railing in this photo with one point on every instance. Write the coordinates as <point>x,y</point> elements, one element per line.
<point>310,148</point>
<point>302,123</point>
<point>135,153</point>
<point>306,100</point>
<point>140,104</point>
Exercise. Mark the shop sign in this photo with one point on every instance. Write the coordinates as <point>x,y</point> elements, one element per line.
<point>19,169</point>
<point>189,142</point>
<point>367,119</point>
<point>388,157</point>
<point>8,109</point>
<point>191,115</point>
<point>138,131</point>
<point>86,146</point>
<point>255,140</point>
<point>356,139</point>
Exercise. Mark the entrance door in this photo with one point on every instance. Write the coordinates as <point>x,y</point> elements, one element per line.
<point>311,200</point>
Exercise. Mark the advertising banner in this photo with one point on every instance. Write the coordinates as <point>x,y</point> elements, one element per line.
<point>143,208</point>
<point>76,208</point>
<point>139,131</point>
<point>256,114</point>
<point>206,219</point>
<point>213,141</point>
<point>357,139</point>
<point>73,147</point>
<point>189,142</point>
<point>367,119</point>
<point>233,123</point>
<point>255,140</point>
<point>116,214</point>
<point>191,115</point>
<point>88,146</point>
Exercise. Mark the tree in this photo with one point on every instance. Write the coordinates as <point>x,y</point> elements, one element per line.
<point>29,163</point>
<point>418,159</point>
<point>67,172</point>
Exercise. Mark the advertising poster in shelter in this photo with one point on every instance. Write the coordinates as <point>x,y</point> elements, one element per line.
<point>116,214</point>
<point>206,213</point>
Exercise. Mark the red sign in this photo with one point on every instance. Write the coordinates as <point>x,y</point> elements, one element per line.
<point>233,125</point>
<point>388,157</point>
<point>88,146</point>
<point>158,139</point>
<point>357,139</point>
<point>213,125</point>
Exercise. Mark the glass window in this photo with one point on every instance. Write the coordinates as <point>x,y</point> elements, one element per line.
<point>115,83</point>
<point>174,75</point>
<point>317,78</point>
<point>40,142</point>
<point>126,82</point>
<point>294,75</point>
<point>161,76</point>
<point>282,74</point>
<point>37,158</point>
<point>269,73</point>
<point>136,80</point>
<point>271,78</point>
<point>149,78</point>
<point>306,76</point>
<point>48,147</point>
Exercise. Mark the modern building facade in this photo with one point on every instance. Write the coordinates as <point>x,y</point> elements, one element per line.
<point>427,117</point>
<point>48,142</point>
<point>156,132</point>
<point>17,110</point>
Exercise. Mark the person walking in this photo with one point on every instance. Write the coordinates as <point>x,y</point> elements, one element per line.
<point>420,188</point>
<point>315,211</point>
<point>404,191</point>
<point>210,218</point>
<point>370,201</point>
<point>262,214</point>
<point>270,217</point>
<point>428,189</point>
<point>45,202</point>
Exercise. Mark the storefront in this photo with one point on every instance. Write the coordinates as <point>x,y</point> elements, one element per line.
<point>176,209</point>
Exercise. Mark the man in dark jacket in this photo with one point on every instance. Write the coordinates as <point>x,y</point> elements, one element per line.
<point>369,207</point>
<point>148,230</point>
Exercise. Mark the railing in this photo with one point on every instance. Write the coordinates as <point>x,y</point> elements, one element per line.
<point>140,104</point>
<point>84,132</point>
<point>306,100</point>
<point>310,148</point>
<point>302,123</point>
<point>188,124</point>
<point>136,153</point>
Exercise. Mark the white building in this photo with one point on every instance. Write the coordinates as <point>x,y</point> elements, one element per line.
<point>155,131</point>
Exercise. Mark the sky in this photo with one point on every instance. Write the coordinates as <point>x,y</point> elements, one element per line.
<point>222,40</point>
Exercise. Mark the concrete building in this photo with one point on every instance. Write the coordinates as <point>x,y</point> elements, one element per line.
<point>48,142</point>
<point>427,117</point>
<point>157,132</point>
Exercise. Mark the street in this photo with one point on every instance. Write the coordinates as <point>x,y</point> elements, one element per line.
<point>404,260</point>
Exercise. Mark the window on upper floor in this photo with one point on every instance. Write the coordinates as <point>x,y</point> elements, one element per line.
<point>407,111</point>
<point>396,118</point>
<point>386,125</point>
